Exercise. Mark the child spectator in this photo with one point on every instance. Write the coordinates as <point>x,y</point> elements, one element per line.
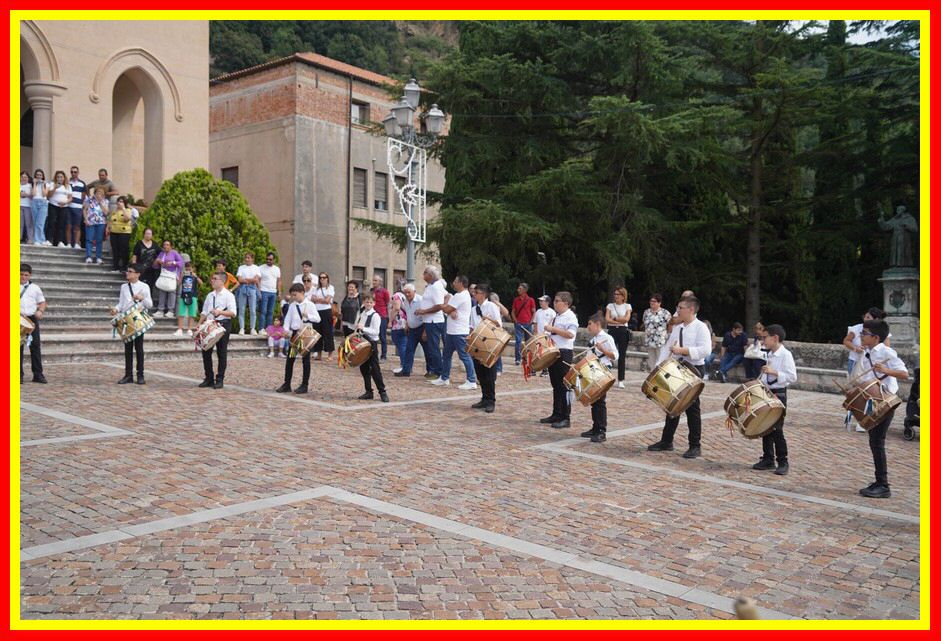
<point>187,307</point>
<point>277,338</point>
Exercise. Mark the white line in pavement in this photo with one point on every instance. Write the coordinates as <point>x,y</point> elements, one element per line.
<point>105,431</point>
<point>516,545</point>
<point>614,433</point>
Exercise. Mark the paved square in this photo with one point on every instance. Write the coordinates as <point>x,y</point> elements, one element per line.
<point>169,501</point>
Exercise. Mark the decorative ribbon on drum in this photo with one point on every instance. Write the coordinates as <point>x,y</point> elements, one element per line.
<point>343,353</point>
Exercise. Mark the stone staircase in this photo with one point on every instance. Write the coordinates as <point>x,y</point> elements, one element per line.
<point>76,325</point>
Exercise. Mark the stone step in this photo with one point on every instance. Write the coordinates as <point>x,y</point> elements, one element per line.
<point>97,346</point>
<point>73,265</point>
<point>34,252</point>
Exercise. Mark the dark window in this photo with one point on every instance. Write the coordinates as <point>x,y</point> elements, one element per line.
<point>231,174</point>
<point>359,113</point>
<point>359,274</point>
<point>359,187</point>
<point>381,192</point>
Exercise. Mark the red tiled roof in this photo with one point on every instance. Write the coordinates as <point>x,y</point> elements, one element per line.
<point>316,60</point>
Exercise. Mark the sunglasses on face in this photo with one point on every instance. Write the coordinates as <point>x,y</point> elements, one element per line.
<point>866,332</point>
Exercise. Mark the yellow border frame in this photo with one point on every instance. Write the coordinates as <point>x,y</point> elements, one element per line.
<point>925,246</point>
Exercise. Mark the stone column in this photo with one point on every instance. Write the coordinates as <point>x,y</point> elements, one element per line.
<point>40,95</point>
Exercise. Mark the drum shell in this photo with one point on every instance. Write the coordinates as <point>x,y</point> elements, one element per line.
<point>764,409</point>
<point>858,396</point>
<point>596,379</point>
<point>132,323</point>
<point>26,328</point>
<point>486,343</point>
<point>360,351</point>
<point>544,351</point>
<point>673,385</point>
<point>305,339</point>
<point>208,334</point>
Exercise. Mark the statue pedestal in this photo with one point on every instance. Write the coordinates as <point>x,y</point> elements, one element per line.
<point>900,286</point>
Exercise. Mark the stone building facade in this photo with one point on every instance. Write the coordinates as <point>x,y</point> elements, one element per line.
<point>129,96</point>
<point>294,135</point>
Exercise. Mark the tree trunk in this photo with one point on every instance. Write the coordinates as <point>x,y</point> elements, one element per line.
<point>753,247</point>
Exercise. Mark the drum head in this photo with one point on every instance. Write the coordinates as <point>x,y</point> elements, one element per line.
<point>761,421</point>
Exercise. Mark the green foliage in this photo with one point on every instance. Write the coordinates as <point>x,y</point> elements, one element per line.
<point>207,219</point>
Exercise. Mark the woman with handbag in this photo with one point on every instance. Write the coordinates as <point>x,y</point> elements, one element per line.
<point>170,264</point>
<point>754,354</point>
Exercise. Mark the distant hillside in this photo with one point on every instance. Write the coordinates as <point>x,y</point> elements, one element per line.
<point>396,48</point>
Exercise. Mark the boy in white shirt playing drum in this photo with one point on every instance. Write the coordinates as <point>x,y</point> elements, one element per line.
<point>603,346</point>
<point>300,312</point>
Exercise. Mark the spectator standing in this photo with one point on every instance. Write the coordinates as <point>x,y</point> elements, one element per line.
<point>75,230</point>
<point>119,227</point>
<point>733,350</point>
<point>40,206</point>
<point>145,253</point>
<point>59,199</point>
<point>26,207</point>
<point>382,297</point>
<point>169,260</point>
<point>231,282</point>
<point>349,308</point>
<point>307,269</point>
<point>323,297</point>
<point>617,315</point>
<point>96,215</point>
<point>249,276</point>
<point>433,300</point>
<point>458,310</point>
<point>399,324</point>
<point>188,306</point>
<point>656,321</point>
<point>105,183</point>
<point>270,287</point>
<point>523,309</point>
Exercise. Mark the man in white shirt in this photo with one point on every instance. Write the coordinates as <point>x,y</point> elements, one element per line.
<point>248,276</point>
<point>458,310</point>
<point>270,286</point>
<point>307,269</point>
<point>690,341</point>
<point>433,318</point>
<point>133,292</point>
<point>414,329</point>
<point>485,309</point>
<point>883,363</point>
<point>220,307</point>
<point>562,330</point>
<point>778,372</point>
<point>32,306</point>
<point>300,312</point>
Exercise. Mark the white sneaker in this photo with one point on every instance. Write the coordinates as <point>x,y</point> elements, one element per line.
<point>499,373</point>
<point>263,333</point>
<point>37,244</point>
<point>157,314</point>
<point>620,384</point>
<point>189,332</point>
<point>98,261</point>
<point>61,244</point>
<point>48,243</point>
<point>859,429</point>
<point>467,385</point>
<point>397,370</point>
<point>270,354</point>
<point>178,332</point>
<point>254,332</point>
<point>169,315</point>
<point>440,381</point>
<point>241,332</point>
<point>76,246</point>
<point>88,260</point>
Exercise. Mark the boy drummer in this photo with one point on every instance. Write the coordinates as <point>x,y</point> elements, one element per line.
<point>300,312</point>
<point>369,324</point>
<point>778,372</point>
<point>487,376</point>
<point>882,363</point>
<point>220,307</point>
<point>134,292</point>
<point>562,331</point>
<point>603,346</point>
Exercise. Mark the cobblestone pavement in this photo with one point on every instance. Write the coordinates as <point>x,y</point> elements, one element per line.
<point>435,510</point>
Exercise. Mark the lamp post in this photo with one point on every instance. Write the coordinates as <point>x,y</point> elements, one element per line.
<point>407,150</point>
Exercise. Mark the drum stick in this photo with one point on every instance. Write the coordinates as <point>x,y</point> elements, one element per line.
<point>853,379</point>
<point>527,331</point>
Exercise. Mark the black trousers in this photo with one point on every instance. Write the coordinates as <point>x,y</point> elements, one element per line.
<point>557,371</point>
<point>289,366</point>
<point>877,445</point>
<point>120,246</point>
<point>371,372</point>
<point>325,328</point>
<point>222,349</point>
<point>622,338</point>
<point>35,351</point>
<point>136,345</point>
<point>55,223</point>
<point>693,420</point>
<point>487,377</point>
<point>599,414</point>
<point>773,445</point>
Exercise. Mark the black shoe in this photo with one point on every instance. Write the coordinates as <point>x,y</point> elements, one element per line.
<point>382,358</point>
<point>217,384</point>
<point>284,389</point>
<point>692,452</point>
<point>598,437</point>
<point>127,379</point>
<point>383,397</point>
<point>367,396</point>
<point>402,374</point>
<point>878,491</point>
<point>562,423</point>
<point>549,419</point>
<point>140,379</point>
<point>301,389</point>
<point>869,487</point>
<point>589,433</point>
<point>207,382</point>
<point>490,409</point>
<point>782,469</point>
<point>720,377</point>
<point>479,405</point>
<point>40,379</point>
<point>763,464</point>
<point>660,446</point>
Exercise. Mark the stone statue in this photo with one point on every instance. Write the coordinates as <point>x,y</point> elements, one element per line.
<point>903,227</point>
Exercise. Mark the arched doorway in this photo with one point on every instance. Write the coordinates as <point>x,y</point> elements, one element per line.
<point>137,134</point>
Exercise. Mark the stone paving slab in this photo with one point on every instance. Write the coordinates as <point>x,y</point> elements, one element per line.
<point>35,427</point>
<point>197,449</point>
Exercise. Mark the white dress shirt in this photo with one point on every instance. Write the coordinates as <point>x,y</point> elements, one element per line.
<point>30,298</point>
<point>568,321</point>
<point>604,339</point>
<point>300,313</point>
<point>488,310</point>
<point>782,361</point>
<point>880,354</point>
<point>460,326</point>
<point>696,337</point>
<point>223,299</point>
<point>371,323</point>
<point>129,290</point>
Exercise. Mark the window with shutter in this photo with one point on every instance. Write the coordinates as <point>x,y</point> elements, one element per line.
<point>381,192</point>
<point>359,187</point>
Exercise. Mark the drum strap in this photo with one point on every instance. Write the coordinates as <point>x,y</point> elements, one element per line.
<point>25,287</point>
